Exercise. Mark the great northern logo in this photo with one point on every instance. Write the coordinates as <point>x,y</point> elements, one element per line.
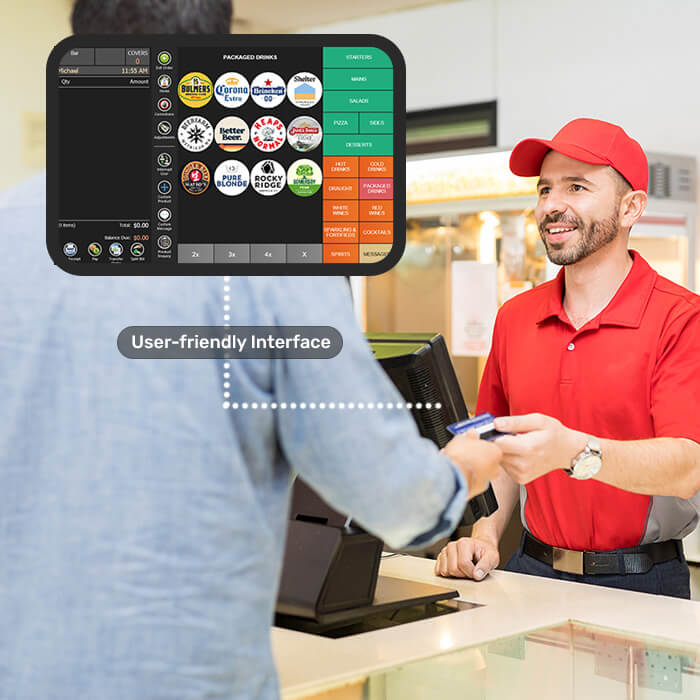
<point>195,89</point>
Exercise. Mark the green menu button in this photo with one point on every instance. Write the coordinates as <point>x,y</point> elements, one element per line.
<point>354,56</point>
<point>372,123</point>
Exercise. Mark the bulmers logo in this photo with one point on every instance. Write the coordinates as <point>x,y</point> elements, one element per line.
<point>195,89</point>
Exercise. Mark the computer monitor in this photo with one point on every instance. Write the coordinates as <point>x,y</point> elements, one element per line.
<point>419,365</point>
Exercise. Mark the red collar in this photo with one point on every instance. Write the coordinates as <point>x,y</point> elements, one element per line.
<point>626,308</point>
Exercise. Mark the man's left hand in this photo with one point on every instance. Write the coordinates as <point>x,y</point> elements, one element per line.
<point>539,444</point>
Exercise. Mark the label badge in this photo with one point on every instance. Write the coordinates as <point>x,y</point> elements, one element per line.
<point>195,133</point>
<point>268,133</point>
<point>231,90</point>
<point>267,89</point>
<point>268,177</point>
<point>231,177</point>
<point>304,134</point>
<point>304,177</point>
<point>231,134</point>
<point>195,177</point>
<point>195,89</point>
<point>304,90</point>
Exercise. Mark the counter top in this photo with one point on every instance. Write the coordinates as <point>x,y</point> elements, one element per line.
<point>513,604</point>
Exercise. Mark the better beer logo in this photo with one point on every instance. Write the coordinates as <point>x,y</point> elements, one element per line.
<point>231,134</point>
<point>195,89</point>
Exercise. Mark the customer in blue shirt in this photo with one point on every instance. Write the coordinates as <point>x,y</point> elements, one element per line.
<point>141,523</point>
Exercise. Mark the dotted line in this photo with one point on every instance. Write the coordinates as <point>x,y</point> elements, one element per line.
<point>302,405</point>
<point>227,365</point>
<point>328,406</point>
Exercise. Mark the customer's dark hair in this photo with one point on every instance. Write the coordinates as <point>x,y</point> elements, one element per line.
<point>152,16</point>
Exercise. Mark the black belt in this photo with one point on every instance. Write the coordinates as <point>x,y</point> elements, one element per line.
<point>632,560</point>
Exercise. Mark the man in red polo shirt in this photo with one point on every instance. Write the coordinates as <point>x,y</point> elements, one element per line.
<point>596,375</point>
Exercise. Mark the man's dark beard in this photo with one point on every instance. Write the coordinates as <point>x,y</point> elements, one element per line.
<point>593,238</point>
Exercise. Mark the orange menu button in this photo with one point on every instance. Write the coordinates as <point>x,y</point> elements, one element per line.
<point>376,166</point>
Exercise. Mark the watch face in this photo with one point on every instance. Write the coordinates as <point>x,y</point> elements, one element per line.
<point>587,467</point>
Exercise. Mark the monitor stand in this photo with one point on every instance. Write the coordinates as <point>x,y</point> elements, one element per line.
<point>391,595</point>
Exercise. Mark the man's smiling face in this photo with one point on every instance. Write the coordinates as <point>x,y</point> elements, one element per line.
<point>578,207</point>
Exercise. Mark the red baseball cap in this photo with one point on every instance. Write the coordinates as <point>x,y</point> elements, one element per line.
<point>590,141</point>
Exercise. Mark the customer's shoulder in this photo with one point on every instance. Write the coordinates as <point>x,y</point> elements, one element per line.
<point>28,194</point>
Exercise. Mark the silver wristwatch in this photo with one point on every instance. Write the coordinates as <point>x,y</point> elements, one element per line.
<point>586,464</point>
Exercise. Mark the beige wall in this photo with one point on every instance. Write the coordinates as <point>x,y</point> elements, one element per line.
<point>28,31</point>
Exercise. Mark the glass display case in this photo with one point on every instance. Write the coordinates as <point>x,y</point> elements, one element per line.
<point>568,662</point>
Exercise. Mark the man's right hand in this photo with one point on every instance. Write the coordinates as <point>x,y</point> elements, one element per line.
<point>478,459</point>
<point>467,557</point>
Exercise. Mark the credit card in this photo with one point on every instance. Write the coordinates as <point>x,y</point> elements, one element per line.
<point>483,424</point>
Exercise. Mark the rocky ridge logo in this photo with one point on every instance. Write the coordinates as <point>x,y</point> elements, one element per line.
<point>268,177</point>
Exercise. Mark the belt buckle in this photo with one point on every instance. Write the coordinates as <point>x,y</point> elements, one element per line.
<point>567,560</point>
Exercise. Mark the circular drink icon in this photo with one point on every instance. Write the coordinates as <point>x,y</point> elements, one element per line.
<point>304,134</point>
<point>267,133</point>
<point>267,89</point>
<point>268,177</point>
<point>195,133</point>
<point>231,177</point>
<point>195,177</point>
<point>195,89</point>
<point>304,90</point>
<point>231,134</point>
<point>304,177</point>
<point>164,81</point>
<point>231,89</point>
